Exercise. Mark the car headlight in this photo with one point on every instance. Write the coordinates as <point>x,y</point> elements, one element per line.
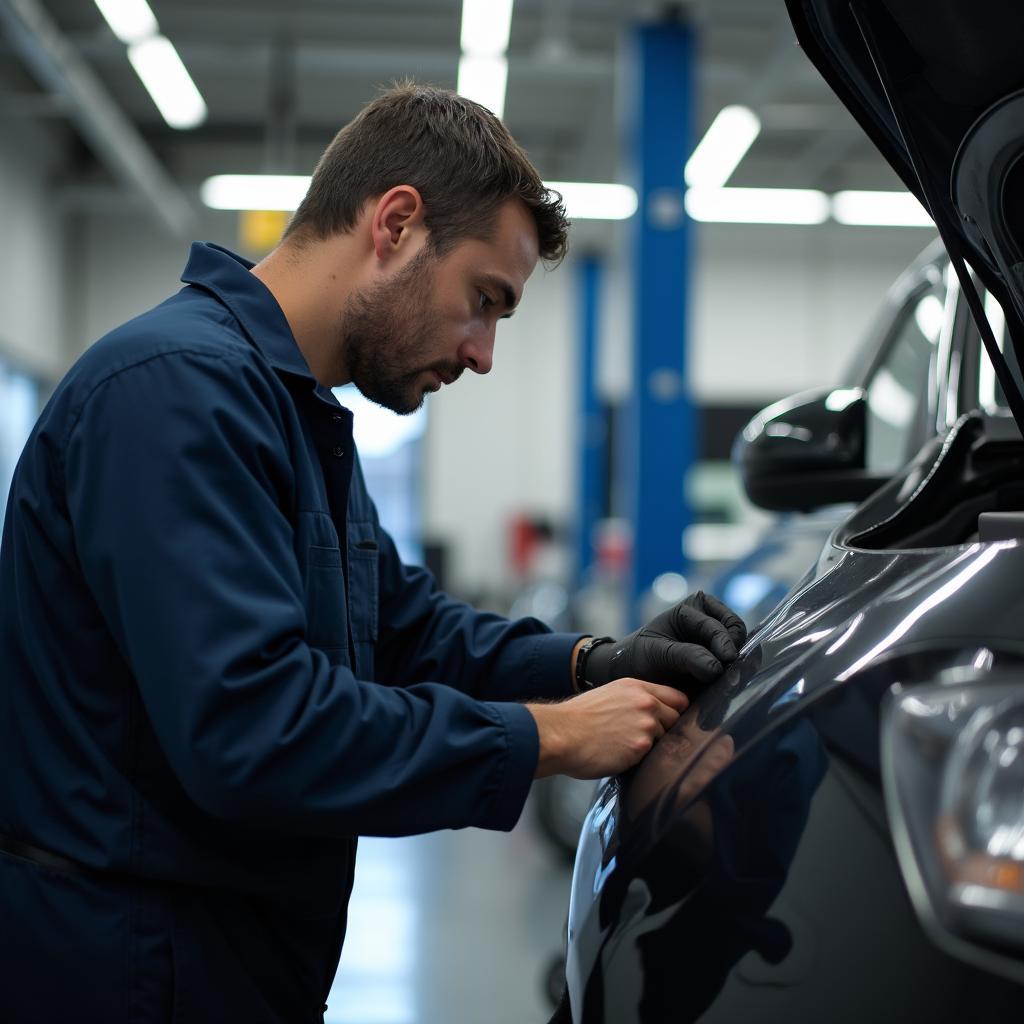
<point>953,773</point>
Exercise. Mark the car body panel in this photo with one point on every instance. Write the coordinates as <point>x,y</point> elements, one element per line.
<point>687,865</point>
<point>746,870</point>
<point>710,850</point>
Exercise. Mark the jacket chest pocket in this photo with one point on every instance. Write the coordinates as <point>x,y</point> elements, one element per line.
<point>363,595</point>
<point>364,582</point>
<point>320,560</point>
<point>326,612</point>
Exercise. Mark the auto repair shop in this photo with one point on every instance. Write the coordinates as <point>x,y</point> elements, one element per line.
<point>769,354</point>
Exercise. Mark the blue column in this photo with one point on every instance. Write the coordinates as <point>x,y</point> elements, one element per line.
<point>591,428</point>
<point>660,445</point>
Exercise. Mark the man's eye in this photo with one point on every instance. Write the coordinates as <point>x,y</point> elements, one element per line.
<point>485,300</point>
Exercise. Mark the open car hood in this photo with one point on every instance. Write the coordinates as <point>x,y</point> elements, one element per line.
<point>938,85</point>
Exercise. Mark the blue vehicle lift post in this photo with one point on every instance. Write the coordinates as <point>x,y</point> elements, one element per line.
<point>591,426</point>
<point>659,445</point>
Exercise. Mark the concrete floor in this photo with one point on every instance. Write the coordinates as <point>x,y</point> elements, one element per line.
<point>452,928</point>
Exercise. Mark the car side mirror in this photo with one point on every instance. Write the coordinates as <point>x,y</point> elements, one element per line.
<point>807,451</point>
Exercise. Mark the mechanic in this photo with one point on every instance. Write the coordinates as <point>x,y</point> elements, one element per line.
<point>216,671</point>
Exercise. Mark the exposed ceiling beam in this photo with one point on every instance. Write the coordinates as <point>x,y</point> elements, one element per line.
<point>58,66</point>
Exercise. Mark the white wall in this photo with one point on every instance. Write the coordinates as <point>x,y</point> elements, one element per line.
<point>504,443</point>
<point>32,247</point>
<point>776,310</point>
<point>126,264</point>
<point>780,309</point>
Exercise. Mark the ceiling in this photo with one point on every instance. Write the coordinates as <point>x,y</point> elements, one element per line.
<point>280,78</point>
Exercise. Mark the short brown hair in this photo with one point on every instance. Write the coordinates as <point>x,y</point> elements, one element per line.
<point>456,153</point>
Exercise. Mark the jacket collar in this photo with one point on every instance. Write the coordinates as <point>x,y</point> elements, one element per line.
<point>227,276</point>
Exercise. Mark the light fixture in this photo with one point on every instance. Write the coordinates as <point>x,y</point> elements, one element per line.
<point>156,62</point>
<point>585,200</point>
<point>483,67</point>
<point>168,82</point>
<point>254,191</point>
<point>724,145</point>
<point>757,205</point>
<point>130,20</point>
<point>486,25</point>
<point>880,209</point>
<point>483,80</point>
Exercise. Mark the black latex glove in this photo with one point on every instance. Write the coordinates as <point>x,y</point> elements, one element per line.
<point>692,642</point>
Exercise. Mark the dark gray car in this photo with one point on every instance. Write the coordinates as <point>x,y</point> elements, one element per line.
<point>835,829</point>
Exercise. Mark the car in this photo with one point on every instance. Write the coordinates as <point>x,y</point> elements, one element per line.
<point>834,830</point>
<point>899,354</point>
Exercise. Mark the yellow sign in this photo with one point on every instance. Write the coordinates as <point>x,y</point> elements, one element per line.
<point>260,230</point>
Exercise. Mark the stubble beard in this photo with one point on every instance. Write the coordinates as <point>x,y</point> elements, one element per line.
<point>387,333</point>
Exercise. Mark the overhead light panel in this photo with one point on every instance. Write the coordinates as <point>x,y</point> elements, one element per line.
<point>880,209</point>
<point>254,191</point>
<point>486,25</point>
<point>724,145</point>
<point>586,200</point>
<point>168,82</point>
<point>156,62</point>
<point>483,67</point>
<point>483,80</point>
<point>757,205</point>
<point>130,20</point>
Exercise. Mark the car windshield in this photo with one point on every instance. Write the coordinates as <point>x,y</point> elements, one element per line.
<point>897,393</point>
<point>991,396</point>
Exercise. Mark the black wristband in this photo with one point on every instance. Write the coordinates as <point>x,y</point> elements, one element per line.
<point>581,660</point>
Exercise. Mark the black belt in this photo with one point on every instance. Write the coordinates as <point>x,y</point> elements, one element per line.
<point>11,847</point>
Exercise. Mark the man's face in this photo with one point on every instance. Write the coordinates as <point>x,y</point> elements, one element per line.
<point>433,318</point>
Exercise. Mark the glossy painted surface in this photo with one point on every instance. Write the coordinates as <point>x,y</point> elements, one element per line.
<point>745,869</point>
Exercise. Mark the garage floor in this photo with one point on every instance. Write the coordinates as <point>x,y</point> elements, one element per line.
<point>452,928</point>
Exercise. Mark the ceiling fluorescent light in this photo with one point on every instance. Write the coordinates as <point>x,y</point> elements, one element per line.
<point>130,20</point>
<point>880,209</point>
<point>757,205</point>
<point>585,200</point>
<point>485,27</point>
<point>167,81</point>
<point>483,79</point>
<point>724,145</point>
<point>254,191</point>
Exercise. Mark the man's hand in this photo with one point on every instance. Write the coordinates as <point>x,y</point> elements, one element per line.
<point>691,642</point>
<point>605,731</point>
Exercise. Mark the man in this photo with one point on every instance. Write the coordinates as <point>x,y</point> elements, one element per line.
<point>216,670</point>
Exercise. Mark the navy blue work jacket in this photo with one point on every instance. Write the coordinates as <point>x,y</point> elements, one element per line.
<point>216,672</point>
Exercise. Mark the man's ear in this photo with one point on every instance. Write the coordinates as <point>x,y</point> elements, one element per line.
<point>396,220</point>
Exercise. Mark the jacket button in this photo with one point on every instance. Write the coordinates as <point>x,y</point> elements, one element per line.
<point>336,419</point>
<point>339,451</point>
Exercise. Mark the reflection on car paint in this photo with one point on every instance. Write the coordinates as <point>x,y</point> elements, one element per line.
<point>702,833</point>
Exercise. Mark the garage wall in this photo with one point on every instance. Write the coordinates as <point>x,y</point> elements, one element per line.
<point>127,264</point>
<point>779,309</point>
<point>504,443</point>
<point>775,311</point>
<point>33,251</point>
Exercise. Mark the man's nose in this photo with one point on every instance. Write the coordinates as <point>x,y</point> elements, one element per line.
<point>478,353</point>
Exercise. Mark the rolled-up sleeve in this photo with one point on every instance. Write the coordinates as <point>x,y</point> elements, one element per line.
<point>179,484</point>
